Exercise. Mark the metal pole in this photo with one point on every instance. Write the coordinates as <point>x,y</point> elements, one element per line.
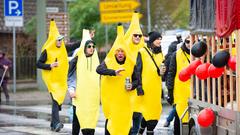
<point>14,59</point>
<point>149,15</point>
<point>41,36</point>
<point>65,5</point>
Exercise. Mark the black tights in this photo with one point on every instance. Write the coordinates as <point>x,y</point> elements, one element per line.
<point>88,131</point>
<point>176,125</point>
<point>75,123</point>
<point>106,130</point>
<point>5,90</point>
<point>150,124</point>
<point>76,126</point>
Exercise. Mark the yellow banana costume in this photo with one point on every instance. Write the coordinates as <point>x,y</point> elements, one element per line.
<point>133,49</point>
<point>56,78</point>
<point>181,90</point>
<point>115,98</point>
<point>87,99</point>
<point>152,86</point>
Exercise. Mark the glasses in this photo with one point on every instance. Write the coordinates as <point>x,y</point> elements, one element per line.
<point>137,35</point>
<point>187,41</point>
<point>91,46</point>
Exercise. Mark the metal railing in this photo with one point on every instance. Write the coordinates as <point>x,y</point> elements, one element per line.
<point>25,68</point>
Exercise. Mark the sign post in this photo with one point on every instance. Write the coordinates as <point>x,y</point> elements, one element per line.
<point>13,15</point>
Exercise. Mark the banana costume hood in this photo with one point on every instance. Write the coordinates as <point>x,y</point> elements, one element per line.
<point>87,99</point>
<point>133,49</point>
<point>115,98</point>
<point>134,28</point>
<point>56,78</point>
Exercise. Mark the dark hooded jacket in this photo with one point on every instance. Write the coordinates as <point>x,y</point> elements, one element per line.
<point>172,71</point>
<point>7,62</point>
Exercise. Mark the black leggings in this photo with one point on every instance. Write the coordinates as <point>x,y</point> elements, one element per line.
<point>5,90</point>
<point>176,125</point>
<point>76,126</point>
<point>106,130</point>
<point>75,123</point>
<point>150,124</point>
<point>88,131</point>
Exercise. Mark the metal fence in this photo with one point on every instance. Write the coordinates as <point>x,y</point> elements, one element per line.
<point>25,68</point>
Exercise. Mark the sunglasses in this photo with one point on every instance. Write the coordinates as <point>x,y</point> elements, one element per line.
<point>187,41</point>
<point>137,35</point>
<point>91,46</point>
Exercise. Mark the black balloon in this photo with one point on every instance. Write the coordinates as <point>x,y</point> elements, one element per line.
<point>221,59</point>
<point>199,49</point>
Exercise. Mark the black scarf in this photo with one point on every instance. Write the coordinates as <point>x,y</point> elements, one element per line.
<point>185,49</point>
<point>155,49</point>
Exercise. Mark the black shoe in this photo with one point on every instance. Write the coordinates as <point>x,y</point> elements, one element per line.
<point>58,127</point>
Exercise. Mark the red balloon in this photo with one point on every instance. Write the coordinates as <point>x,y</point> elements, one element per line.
<point>215,72</point>
<point>206,117</point>
<point>184,75</point>
<point>193,66</point>
<point>232,63</point>
<point>202,71</point>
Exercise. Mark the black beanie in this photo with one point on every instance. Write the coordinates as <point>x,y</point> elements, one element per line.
<point>153,36</point>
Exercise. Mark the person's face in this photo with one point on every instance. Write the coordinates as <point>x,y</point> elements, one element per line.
<point>136,38</point>
<point>120,55</point>
<point>92,34</point>
<point>187,42</point>
<point>90,49</point>
<point>157,42</point>
<point>179,39</point>
<point>146,38</point>
<point>59,43</point>
<point>1,55</point>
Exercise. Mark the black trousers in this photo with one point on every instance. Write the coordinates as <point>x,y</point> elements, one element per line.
<point>106,130</point>
<point>5,90</point>
<point>76,126</point>
<point>150,124</point>
<point>176,125</point>
<point>136,121</point>
<point>55,113</point>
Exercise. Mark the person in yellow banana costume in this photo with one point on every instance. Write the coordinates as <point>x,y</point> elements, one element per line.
<point>149,87</point>
<point>134,40</point>
<point>54,62</point>
<point>83,86</point>
<point>179,91</point>
<point>115,93</point>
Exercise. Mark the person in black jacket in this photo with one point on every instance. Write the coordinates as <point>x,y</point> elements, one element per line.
<point>5,64</point>
<point>102,69</point>
<point>55,125</point>
<point>179,60</point>
<point>89,50</point>
<point>171,49</point>
<point>147,68</point>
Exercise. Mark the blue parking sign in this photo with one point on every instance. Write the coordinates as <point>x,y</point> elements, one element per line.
<point>13,8</point>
